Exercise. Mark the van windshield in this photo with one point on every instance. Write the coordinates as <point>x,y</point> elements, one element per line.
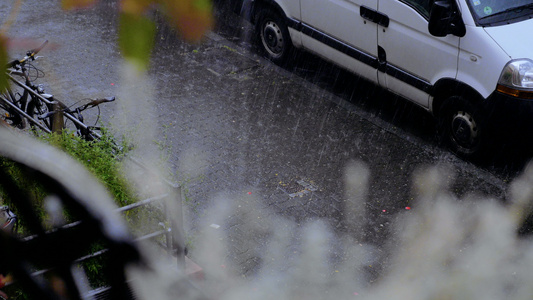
<point>499,12</point>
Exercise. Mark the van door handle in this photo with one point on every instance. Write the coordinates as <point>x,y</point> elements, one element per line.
<point>374,16</point>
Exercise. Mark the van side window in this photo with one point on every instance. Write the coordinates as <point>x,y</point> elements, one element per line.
<point>421,6</point>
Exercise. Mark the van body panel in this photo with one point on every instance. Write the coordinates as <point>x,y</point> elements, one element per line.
<point>403,89</point>
<point>341,58</point>
<point>466,15</point>
<point>341,20</point>
<point>339,28</point>
<point>479,57</point>
<point>291,8</point>
<point>410,47</point>
<point>515,39</point>
<point>296,37</point>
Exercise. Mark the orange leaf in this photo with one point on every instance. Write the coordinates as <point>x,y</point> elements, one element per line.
<point>192,18</point>
<point>77,4</point>
<point>193,27</point>
<point>135,7</point>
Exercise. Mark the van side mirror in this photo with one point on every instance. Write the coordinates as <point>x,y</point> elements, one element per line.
<point>445,18</point>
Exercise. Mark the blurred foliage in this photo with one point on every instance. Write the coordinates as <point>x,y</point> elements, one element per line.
<point>136,39</point>
<point>191,18</point>
<point>3,62</point>
<point>4,41</point>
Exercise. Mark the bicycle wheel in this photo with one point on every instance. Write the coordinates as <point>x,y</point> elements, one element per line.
<point>10,115</point>
<point>17,97</point>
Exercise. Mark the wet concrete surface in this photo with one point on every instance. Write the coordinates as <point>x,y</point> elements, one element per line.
<point>279,136</point>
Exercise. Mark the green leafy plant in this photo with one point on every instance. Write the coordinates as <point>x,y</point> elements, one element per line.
<point>101,157</point>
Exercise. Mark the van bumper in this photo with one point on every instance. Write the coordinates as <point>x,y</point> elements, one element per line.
<point>510,116</point>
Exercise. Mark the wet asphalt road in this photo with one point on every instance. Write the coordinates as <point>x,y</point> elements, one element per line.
<point>280,135</point>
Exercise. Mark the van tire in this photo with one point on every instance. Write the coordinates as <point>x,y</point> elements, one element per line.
<point>462,127</point>
<point>273,36</point>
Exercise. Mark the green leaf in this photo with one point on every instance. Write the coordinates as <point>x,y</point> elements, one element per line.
<point>136,39</point>
<point>203,5</point>
<point>3,61</point>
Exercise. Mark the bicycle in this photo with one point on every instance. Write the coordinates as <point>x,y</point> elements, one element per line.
<point>13,100</point>
<point>27,101</point>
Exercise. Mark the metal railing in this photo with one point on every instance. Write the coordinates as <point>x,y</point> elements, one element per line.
<point>174,243</point>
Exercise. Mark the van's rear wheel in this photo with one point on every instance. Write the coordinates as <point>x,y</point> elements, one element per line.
<point>462,127</point>
<point>274,39</point>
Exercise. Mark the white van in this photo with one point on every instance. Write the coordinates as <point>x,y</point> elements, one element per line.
<point>468,62</point>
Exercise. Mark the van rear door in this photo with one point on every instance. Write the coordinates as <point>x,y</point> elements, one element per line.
<point>336,30</point>
<point>411,59</point>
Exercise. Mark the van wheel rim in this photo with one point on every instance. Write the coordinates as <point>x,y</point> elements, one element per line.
<point>273,38</point>
<point>464,129</point>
